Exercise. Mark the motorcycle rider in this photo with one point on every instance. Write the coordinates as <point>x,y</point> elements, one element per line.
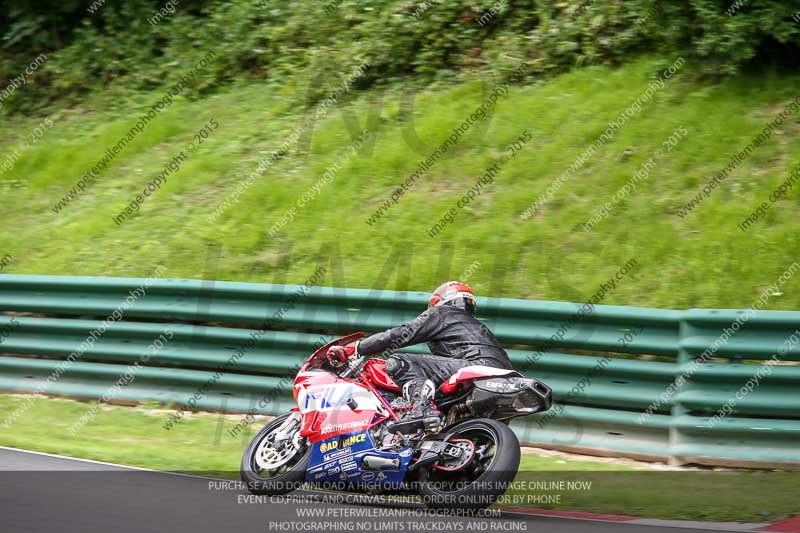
<point>455,338</point>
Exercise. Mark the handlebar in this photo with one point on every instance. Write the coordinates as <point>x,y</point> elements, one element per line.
<point>353,366</point>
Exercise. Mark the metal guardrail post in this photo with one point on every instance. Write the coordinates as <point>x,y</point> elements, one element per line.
<point>684,357</point>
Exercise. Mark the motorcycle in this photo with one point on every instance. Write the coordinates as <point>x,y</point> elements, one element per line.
<point>337,436</point>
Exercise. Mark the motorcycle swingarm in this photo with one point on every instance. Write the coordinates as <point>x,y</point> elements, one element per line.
<point>433,450</point>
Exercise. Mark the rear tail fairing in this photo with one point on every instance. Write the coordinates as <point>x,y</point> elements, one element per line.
<point>464,376</point>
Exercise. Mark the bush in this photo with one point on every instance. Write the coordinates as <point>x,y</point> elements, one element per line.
<point>313,43</point>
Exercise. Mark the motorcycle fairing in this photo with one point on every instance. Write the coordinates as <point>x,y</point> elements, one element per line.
<point>339,459</point>
<point>332,406</point>
<point>470,373</point>
<point>376,372</point>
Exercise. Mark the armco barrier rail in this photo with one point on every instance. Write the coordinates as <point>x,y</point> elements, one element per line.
<point>607,367</point>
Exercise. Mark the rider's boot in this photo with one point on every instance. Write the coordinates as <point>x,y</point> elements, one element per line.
<point>424,415</point>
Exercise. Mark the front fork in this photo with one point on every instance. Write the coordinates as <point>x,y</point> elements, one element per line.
<point>288,430</point>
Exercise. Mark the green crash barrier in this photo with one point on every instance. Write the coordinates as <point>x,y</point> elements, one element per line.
<point>626,380</point>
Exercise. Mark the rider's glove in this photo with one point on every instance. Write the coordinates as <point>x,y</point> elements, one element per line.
<point>339,355</point>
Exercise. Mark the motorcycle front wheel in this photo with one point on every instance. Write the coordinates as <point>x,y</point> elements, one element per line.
<point>478,478</point>
<point>274,466</point>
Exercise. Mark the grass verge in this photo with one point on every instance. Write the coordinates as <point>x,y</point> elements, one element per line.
<point>135,436</point>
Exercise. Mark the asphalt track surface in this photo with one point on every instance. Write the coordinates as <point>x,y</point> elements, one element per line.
<point>42,494</point>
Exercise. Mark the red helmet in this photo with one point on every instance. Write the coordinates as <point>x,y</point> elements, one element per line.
<point>454,293</point>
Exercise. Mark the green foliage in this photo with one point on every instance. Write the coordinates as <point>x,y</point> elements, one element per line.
<point>284,41</point>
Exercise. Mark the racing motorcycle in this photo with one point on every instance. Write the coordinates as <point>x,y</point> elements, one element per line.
<point>339,437</point>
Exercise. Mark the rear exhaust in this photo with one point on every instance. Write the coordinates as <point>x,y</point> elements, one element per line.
<point>503,398</point>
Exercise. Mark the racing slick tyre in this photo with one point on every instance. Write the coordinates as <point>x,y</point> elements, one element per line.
<point>481,474</point>
<point>273,466</point>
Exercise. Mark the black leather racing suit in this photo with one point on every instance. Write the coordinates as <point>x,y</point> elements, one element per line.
<point>455,338</point>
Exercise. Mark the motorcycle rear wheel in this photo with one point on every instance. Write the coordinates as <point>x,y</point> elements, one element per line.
<point>487,475</point>
<point>270,469</point>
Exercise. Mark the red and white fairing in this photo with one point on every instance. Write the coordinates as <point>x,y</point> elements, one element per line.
<point>470,373</point>
<point>332,406</point>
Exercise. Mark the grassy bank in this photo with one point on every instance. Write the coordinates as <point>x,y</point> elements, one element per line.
<point>703,260</point>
